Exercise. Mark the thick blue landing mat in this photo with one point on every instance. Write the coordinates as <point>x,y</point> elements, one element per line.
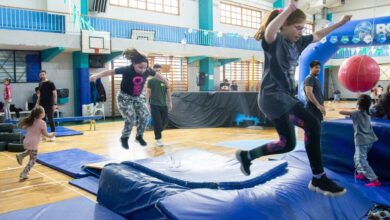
<point>89,184</point>
<point>61,131</point>
<point>69,161</point>
<point>251,144</point>
<point>284,197</point>
<point>195,168</point>
<point>131,193</point>
<point>78,208</point>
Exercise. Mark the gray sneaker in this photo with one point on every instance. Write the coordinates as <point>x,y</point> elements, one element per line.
<point>19,158</point>
<point>23,177</point>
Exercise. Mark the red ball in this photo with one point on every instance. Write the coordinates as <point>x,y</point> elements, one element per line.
<point>359,73</point>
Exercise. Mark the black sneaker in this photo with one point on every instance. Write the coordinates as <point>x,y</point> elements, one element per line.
<point>125,142</point>
<point>242,157</point>
<point>140,140</point>
<point>326,186</point>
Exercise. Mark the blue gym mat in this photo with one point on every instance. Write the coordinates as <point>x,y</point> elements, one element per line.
<point>79,208</point>
<point>70,161</point>
<point>195,168</point>
<point>89,184</point>
<point>284,197</point>
<point>131,193</point>
<point>251,144</point>
<point>61,131</point>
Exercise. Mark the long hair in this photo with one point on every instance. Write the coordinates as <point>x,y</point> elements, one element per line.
<point>134,56</point>
<point>29,121</point>
<point>295,17</point>
<point>364,103</point>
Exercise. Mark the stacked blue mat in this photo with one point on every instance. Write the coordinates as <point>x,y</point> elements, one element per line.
<point>61,131</point>
<point>79,208</point>
<point>71,162</point>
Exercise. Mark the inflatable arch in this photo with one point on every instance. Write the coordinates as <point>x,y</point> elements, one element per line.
<point>356,33</point>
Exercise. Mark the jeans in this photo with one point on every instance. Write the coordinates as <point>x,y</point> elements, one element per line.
<point>361,163</point>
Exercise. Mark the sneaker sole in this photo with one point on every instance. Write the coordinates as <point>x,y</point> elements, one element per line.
<point>238,158</point>
<point>325,193</point>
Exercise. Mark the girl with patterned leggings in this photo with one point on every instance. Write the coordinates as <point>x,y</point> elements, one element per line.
<point>131,102</point>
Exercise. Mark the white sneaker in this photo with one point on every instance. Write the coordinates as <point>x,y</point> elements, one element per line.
<point>52,139</point>
<point>159,143</point>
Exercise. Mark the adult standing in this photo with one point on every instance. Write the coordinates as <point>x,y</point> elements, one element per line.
<point>159,101</point>
<point>47,98</point>
<point>313,92</point>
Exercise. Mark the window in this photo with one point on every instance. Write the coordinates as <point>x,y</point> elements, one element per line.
<point>242,73</point>
<point>178,71</point>
<point>241,16</point>
<point>164,6</point>
<point>20,66</point>
<point>309,29</point>
<point>384,71</point>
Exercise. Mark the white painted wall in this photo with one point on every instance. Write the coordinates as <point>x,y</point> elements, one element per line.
<point>59,70</point>
<point>193,72</point>
<point>28,4</point>
<point>361,9</point>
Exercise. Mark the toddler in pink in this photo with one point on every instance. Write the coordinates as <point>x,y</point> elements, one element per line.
<point>35,127</point>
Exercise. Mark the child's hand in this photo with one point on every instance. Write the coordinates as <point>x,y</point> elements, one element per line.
<point>294,3</point>
<point>93,78</point>
<point>345,19</point>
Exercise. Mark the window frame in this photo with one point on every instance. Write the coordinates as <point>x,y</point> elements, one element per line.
<point>224,19</point>
<point>14,77</point>
<point>146,6</point>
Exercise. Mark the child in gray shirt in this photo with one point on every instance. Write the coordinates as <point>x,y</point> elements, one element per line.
<point>364,138</point>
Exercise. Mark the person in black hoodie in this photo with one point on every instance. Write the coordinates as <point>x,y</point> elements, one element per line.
<point>131,102</point>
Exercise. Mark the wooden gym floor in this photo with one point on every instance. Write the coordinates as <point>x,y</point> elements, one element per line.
<point>46,185</point>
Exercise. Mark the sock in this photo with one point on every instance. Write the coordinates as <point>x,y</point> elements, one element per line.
<point>318,176</point>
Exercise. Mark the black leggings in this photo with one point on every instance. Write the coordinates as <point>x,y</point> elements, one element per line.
<point>49,115</point>
<point>284,125</point>
<point>159,119</point>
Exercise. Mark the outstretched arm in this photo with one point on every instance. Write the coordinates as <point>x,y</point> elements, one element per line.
<point>318,35</point>
<point>275,25</point>
<point>105,73</point>
<point>343,112</point>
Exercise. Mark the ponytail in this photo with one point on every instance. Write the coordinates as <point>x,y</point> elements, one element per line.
<point>296,16</point>
<point>266,20</point>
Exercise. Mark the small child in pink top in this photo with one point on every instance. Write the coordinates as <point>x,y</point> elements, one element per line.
<point>35,127</point>
<point>7,98</point>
